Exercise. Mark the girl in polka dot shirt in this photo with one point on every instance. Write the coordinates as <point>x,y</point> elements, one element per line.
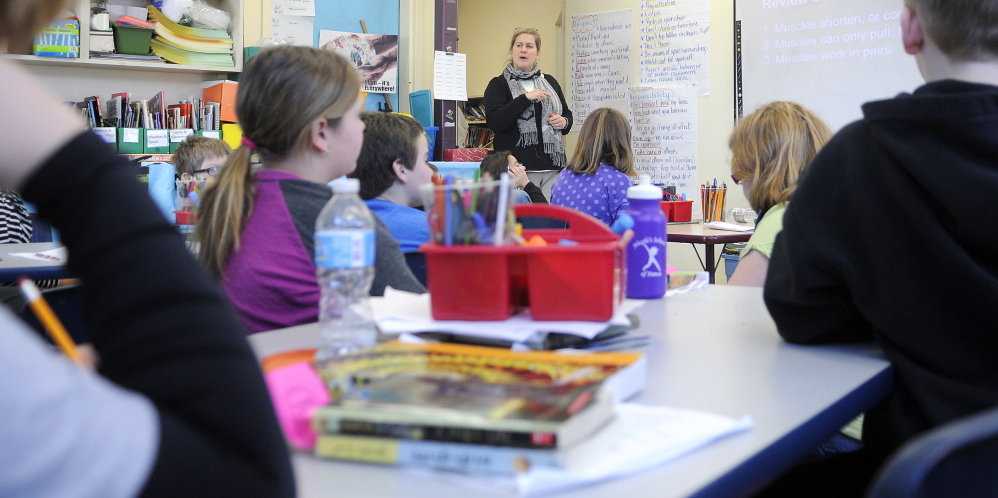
<point>596,179</point>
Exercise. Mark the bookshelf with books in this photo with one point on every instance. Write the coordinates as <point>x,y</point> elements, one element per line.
<point>82,10</point>
<point>473,132</point>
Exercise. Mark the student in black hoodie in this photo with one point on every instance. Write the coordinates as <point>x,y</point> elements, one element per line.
<point>889,236</point>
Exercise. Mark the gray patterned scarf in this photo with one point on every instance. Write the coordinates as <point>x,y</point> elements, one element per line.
<point>553,146</point>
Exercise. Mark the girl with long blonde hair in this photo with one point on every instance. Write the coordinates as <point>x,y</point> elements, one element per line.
<point>770,149</point>
<point>299,108</point>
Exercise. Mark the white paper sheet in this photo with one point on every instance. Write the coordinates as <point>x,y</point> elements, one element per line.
<point>601,62</point>
<point>639,438</point>
<point>404,312</point>
<point>296,29</point>
<point>664,136</point>
<point>730,227</point>
<point>675,44</point>
<point>57,255</point>
<point>293,7</point>
<point>450,76</point>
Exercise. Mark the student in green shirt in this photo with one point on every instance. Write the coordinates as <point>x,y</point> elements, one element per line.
<point>770,149</point>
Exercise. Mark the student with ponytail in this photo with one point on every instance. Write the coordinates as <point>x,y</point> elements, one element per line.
<point>299,109</point>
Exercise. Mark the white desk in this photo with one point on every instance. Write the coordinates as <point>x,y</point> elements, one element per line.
<point>716,350</point>
<point>12,267</point>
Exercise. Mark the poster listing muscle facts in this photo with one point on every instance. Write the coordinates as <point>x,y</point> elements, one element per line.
<point>664,136</point>
<point>675,50</point>
<point>829,55</point>
<point>601,62</point>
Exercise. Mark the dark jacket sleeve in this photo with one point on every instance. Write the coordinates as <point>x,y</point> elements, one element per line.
<point>163,329</point>
<point>565,111</point>
<point>501,109</point>
<point>805,291</point>
<point>535,193</point>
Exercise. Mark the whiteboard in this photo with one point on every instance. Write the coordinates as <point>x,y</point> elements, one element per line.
<point>829,55</point>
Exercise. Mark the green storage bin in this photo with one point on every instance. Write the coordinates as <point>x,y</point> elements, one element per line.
<point>210,133</point>
<point>131,40</point>
<point>131,140</point>
<point>156,142</point>
<point>177,137</point>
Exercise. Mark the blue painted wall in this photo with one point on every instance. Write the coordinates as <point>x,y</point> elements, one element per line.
<point>381,16</point>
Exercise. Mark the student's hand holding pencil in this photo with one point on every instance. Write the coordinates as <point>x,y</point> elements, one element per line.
<point>54,327</point>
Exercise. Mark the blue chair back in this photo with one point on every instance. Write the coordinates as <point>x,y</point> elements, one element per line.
<point>956,459</point>
<point>417,264</point>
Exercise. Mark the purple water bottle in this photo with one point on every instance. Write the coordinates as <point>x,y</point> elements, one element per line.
<point>646,252</point>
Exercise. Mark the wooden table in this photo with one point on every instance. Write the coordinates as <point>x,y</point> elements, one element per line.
<point>714,349</point>
<point>697,233</point>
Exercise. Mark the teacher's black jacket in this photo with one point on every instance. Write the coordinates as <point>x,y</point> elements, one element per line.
<point>891,236</point>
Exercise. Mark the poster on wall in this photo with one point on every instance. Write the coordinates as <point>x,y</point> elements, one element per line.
<point>601,62</point>
<point>664,136</point>
<point>375,56</point>
<point>675,44</point>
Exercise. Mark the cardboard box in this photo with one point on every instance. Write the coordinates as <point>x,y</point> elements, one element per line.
<point>101,42</point>
<point>223,92</point>
<point>465,155</point>
<point>60,39</point>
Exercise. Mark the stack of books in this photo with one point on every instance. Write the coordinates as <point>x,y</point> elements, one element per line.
<point>188,45</point>
<point>471,408</point>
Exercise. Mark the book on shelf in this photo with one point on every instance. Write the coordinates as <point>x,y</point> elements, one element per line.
<point>479,137</point>
<point>474,111</point>
<point>476,395</point>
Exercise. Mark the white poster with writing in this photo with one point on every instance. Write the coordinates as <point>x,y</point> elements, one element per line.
<point>601,62</point>
<point>293,7</point>
<point>450,76</point>
<point>664,136</point>
<point>675,44</point>
<point>295,29</point>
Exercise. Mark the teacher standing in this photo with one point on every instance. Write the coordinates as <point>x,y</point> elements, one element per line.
<point>526,110</point>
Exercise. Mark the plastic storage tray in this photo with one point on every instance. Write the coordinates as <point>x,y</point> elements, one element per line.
<point>678,210</point>
<point>556,282</point>
<point>131,40</point>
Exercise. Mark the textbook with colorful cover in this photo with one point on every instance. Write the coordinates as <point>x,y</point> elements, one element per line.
<point>489,400</point>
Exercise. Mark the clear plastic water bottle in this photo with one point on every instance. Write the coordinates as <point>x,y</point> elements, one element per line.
<point>646,251</point>
<point>344,264</point>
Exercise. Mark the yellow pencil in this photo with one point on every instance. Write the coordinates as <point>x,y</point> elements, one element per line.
<point>51,322</point>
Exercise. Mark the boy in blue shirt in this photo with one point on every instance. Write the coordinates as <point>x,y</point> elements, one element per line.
<point>391,168</point>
